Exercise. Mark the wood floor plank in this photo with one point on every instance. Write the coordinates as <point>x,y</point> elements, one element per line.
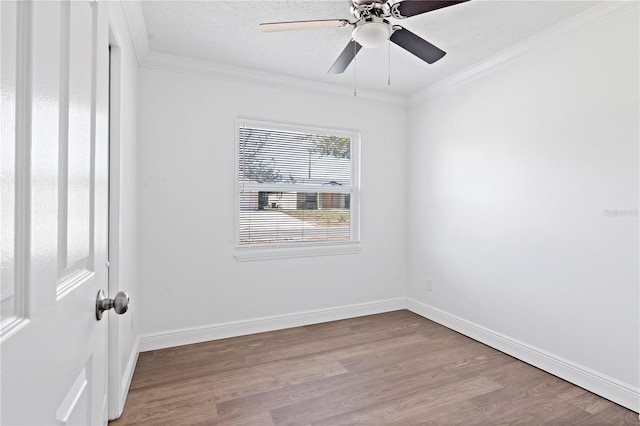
<point>509,372</point>
<point>423,404</point>
<point>611,416</point>
<point>526,409</point>
<point>275,375</point>
<point>248,419</point>
<point>436,356</point>
<point>319,388</point>
<point>165,370</point>
<point>585,400</point>
<point>358,398</point>
<point>322,344</point>
<point>304,392</point>
<point>395,368</point>
<point>186,402</point>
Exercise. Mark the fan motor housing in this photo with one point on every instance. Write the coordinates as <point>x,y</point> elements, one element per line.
<point>367,2</point>
<point>365,8</point>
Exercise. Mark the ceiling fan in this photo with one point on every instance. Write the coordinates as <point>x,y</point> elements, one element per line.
<point>372,29</point>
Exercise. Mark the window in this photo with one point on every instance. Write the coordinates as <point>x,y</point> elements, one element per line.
<point>297,186</point>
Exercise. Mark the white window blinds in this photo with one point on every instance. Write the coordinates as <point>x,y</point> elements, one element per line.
<point>296,185</point>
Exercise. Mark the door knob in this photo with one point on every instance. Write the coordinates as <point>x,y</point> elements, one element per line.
<point>120,304</point>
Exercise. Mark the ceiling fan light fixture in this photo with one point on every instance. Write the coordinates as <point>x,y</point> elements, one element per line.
<point>372,34</point>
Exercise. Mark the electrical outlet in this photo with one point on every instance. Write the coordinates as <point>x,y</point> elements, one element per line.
<point>428,284</point>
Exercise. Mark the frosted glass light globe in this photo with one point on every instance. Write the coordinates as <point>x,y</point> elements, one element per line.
<point>371,34</point>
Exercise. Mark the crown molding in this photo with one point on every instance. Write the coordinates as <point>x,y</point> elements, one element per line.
<point>137,28</point>
<point>560,33</point>
<point>155,60</point>
<point>232,73</point>
<point>595,16</point>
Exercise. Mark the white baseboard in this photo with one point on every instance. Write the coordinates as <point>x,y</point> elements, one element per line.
<point>607,387</point>
<point>120,394</point>
<point>127,374</point>
<point>186,336</point>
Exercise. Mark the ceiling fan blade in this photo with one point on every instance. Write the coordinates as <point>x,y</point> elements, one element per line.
<point>416,45</point>
<point>409,8</point>
<point>345,58</point>
<point>303,25</point>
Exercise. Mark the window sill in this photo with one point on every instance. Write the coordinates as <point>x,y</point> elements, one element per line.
<point>244,254</point>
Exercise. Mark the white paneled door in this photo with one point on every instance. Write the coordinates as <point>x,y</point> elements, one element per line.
<point>54,79</point>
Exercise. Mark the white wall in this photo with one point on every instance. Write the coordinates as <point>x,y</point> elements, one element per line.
<point>124,267</point>
<point>511,178</point>
<point>188,274</point>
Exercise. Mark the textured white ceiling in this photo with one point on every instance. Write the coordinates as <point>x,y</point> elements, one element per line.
<point>227,32</point>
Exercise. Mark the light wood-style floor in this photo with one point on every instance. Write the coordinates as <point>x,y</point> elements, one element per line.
<point>392,368</point>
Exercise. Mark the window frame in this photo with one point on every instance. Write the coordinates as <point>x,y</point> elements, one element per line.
<point>262,251</point>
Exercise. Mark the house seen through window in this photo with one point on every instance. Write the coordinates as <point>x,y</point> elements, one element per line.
<point>296,185</point>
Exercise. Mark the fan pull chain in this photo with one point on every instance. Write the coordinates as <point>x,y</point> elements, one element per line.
<point>355,68</point>
<point>389,75</point>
